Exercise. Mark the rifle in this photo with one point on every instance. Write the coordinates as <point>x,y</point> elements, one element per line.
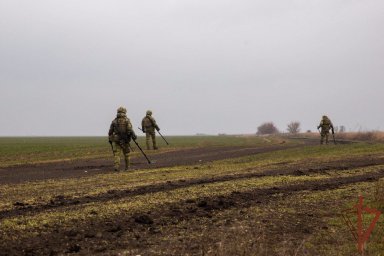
<point>110,142</point>
<point>159,133</point>
<point>333,136</point>
<point>142,151</point>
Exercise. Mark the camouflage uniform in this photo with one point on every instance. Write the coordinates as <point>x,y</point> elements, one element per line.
<point>120,134</point>
<point>325,125</point>
<point>148,125</point>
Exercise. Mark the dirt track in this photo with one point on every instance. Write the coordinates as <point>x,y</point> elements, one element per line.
<point>83,168</point>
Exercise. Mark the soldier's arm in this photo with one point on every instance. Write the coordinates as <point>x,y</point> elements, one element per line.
<point>110,132</point>
<point>129,125</point>
<point>142,124</point>
<point>130,129</point>
<point>155,124</point>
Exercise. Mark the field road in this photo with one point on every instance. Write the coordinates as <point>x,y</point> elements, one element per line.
<point>83,168</point>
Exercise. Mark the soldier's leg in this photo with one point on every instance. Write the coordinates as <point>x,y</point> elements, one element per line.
<point>153,135</point>
<point>326,138</point>
<point>126,157</point>
<point>147,138</point>
<point>116,153</point>
<point>322,138</point>
<point>127,162</point>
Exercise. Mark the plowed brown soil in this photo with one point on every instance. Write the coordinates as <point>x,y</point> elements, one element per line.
<point>141,232</point>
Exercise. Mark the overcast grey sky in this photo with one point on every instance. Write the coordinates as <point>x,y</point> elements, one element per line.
<point>201,66</point>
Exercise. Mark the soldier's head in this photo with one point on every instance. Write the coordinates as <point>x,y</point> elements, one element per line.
<point>326,118</point>
<point>122,110</point>
<point>149,112</point>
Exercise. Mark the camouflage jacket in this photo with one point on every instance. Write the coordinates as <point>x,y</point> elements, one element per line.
<point>325,125</point>
<point>149,123</point>
<point>121,129</point>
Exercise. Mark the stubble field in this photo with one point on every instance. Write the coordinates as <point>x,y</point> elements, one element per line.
<point>202,195</point>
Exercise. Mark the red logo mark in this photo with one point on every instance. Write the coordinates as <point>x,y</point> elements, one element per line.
<point>361,236</point>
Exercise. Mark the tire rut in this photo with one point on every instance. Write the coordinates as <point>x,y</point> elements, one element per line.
<point>61,201</point>
<point>140,224</point>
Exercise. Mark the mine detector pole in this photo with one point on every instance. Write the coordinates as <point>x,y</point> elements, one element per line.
<point>163,138</point>
<point>137,144</point>
<point>159,134</point>
<point>333,136</point>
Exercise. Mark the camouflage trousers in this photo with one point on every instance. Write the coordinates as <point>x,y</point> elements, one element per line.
<point>148,136</point>
<point>119,149</point>
<point>324,135</point>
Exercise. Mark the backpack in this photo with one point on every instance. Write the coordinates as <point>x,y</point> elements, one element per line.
<point>120,128</point>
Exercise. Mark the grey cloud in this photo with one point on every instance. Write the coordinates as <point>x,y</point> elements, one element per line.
<point>219,66</point>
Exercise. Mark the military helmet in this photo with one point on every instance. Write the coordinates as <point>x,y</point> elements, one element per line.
<point>122,110</point>
<point>149,112</point>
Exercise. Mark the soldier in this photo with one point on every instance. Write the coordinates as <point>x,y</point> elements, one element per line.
<point>325,125</point>
<point>148,126</point>
<point>120,134</point>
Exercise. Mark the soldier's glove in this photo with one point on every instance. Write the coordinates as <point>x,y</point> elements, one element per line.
<point>134,137</point>
<point>158,129</point>
<point>143,130</point>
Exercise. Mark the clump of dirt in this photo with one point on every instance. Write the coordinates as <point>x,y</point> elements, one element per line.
<point>20,204</point>
<point>143,219</point>
<point>74,248</point>
<point>202,203</point>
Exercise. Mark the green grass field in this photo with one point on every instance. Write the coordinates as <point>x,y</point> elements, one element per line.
<point>32,150</point>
